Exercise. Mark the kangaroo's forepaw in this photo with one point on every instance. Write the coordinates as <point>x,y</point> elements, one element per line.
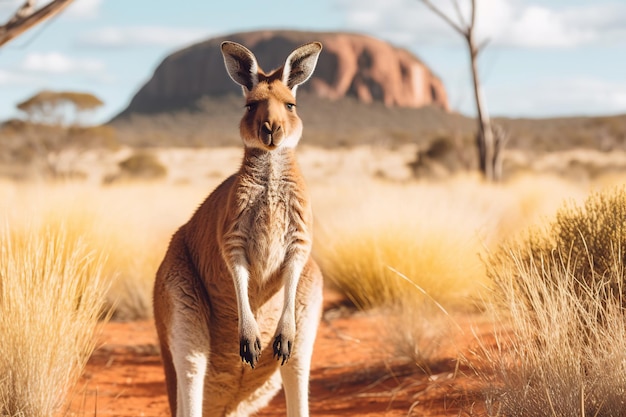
<point>282,348</point>
<point>250,351</point>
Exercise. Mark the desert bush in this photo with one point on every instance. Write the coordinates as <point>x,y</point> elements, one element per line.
<point>51,299</point>
<point>589,238</point>
<point>594,236</point>
<point>559,292</point>
<point>442,156</point>
<point>142,165</point>
<point>564,353</point>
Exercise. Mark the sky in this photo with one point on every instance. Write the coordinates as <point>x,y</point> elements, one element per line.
<point>543,58</point>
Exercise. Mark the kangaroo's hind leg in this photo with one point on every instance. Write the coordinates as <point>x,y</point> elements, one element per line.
<point>295,373</point>
<point>181,314</point>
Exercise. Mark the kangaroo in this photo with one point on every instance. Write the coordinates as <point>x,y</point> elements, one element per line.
<point>238,298</point>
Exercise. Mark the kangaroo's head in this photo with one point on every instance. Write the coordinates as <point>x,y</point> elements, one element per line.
<point>270,120</point>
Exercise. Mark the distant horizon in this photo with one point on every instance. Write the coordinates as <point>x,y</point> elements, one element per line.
<point>557,59</point>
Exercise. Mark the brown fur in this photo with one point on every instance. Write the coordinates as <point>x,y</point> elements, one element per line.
<point>259,220</point>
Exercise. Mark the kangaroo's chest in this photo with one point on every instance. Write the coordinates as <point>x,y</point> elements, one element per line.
<point>267,219</point>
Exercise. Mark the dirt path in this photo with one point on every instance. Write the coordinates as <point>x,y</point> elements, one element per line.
<point>354,373</point>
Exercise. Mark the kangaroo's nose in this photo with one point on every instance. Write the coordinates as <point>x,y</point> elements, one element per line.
<point>271,133</point>
<point>269,128</point>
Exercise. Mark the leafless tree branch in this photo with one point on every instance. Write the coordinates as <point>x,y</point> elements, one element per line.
<point>473,16</point>
<point>445,17</point>
<point>488,148</point>
<point>26,17</point>
<point>459,13</point>
<point>26,9</point>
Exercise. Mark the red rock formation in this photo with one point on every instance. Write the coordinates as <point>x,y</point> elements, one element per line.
<point>350,65</point>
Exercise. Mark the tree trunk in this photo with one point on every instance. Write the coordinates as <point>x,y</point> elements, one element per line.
<point>486,143</point>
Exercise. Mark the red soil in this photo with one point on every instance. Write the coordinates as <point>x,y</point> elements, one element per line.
<point>354,372</point>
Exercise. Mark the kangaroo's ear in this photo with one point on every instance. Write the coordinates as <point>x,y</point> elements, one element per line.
<point>241,65</point>
<point>300,65</point>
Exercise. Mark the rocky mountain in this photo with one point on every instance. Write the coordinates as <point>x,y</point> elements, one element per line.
<point>350,65</point>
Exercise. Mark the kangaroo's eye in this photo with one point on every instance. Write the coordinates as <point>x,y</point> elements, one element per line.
<point>290,106</point>
<point>251,106</point>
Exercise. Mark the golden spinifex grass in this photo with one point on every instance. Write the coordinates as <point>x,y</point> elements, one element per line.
<point>388,229</point>
<point>127,226</point>
<point>51,298</point>
<point>565,354</point>
<point>133,225</point>
<point>434,234</point>
<point>560,294</point>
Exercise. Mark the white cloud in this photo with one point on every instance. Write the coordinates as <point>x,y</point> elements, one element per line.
<point>116,37</point>
<point>506,22</point>
<point>57,63</point>
<point>559,97</point>
<point>538,26</point>
<point>596,23</point>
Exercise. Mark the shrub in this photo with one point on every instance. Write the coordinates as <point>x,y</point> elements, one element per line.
<point>142,165</point>
<point>590,240</point>
<point>560,293</point>
<point>594,236</point>
<point>51,298</point>
<point>442,156</point>
<point>564,353</point>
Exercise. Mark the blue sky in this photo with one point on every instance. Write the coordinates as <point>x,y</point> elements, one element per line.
<point>545,58</point>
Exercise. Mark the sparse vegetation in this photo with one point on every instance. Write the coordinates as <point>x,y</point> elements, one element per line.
<point>590,240</point>
<point>135,223</point>
<point>362,249</point>
<point>560,292</point>
<point>51,298</point>
<point>141,165</point>
<point>54,107</point>
<point>373,236</point>
<point>432,234</point>
<point>127,227</point>
<point>443,156</point>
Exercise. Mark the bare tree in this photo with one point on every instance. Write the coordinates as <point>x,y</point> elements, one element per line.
<point>489,144</point>
<point>28,16</point>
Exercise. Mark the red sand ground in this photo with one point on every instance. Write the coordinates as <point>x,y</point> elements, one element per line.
<point>354,373</point>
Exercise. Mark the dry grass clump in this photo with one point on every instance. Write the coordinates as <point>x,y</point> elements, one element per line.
<point>595,237</point>
<point>135,223</point>
<point>560,292</point>
<point>390,243</point>
<point>433,233</point>
<point>590,238</point>
<point>127,226</point>
<point>565,353</point>
<point>51,298</point>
